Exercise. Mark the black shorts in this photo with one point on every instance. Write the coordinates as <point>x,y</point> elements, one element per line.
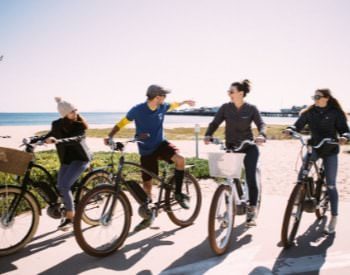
<point>165,151</point>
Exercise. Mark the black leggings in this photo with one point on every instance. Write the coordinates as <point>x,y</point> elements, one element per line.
<point>250,165</point>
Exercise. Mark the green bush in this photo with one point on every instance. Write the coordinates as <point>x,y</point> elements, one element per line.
<point>49,160</point>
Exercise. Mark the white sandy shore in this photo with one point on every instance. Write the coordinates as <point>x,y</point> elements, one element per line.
<point>278,158</point>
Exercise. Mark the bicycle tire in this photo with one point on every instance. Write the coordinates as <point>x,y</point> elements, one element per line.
<point>33,226</point>
<point>219,250</point>
<point>103,178</point>
<point>297,195</point>
<point>79,231</point>
<point>171,204</point>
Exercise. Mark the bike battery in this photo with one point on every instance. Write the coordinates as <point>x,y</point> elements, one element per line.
<point>137,191</point>
<point>45,191</point>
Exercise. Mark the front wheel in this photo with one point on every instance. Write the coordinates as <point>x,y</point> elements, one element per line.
<point>18,230</point>
<point>221,219</point>
<point>112,210</point>
<point>292,215</point>
<point>178,215</point>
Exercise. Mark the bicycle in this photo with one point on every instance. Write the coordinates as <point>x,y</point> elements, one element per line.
<point>19,207</point>
<point>115,211</point>
<point>230,198</point>
<point>309,194</point>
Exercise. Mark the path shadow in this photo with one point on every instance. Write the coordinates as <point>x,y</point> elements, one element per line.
<point>203,252</point>
<point>6,262</point>
<point>306,257</point>
<point>118,261</point>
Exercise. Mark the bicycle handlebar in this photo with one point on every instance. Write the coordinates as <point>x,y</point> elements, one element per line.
<point>40,140</point>
<point>237,149</point>
<point>119,146</point>
<point>298,136</point>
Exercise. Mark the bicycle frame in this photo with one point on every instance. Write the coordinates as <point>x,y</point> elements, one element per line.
<point>119,180</point>
<point>307,165</point>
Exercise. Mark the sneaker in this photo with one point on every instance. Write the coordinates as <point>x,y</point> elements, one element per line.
<point>251,216</point>
<point>183,200</point>
<point>331,226</point>
<point>65,224</point>
<point>145,223</point>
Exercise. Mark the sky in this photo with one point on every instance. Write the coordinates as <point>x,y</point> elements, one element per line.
<point>102,55</point>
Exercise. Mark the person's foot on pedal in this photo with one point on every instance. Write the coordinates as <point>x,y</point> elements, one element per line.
<point>65,224</point>
<point>251,216</point>
<point>183,200</point>
<point>331,226</point>
<point>145,223</point>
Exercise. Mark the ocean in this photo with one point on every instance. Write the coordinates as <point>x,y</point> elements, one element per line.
<point>31,119</point>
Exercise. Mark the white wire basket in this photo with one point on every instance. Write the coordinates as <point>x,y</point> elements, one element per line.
<point>225,165</point>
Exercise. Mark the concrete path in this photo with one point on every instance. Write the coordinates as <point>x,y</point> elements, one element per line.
<point>168,249</point>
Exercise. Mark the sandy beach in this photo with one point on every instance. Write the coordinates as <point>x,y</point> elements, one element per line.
<point>278,159</point>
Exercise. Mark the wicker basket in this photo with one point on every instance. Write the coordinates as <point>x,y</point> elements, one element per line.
<point>14,161</point>
<point>225,165</point>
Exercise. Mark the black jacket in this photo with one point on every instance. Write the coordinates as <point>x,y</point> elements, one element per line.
<point>71,151</point>
<point>325,122</point>
<point>238,123</point>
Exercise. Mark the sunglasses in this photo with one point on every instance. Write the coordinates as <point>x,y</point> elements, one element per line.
<point>317,97</point>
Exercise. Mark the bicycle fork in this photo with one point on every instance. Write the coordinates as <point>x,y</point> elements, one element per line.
<point>7,219</point>
<point>228,200</point>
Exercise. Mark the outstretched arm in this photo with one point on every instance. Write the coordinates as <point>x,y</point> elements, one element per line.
<point>175,105</point>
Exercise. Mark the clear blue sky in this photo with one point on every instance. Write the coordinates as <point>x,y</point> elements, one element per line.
<point>102,55</point>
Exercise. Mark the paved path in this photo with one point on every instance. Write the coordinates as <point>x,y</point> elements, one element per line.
<point>167,249</point>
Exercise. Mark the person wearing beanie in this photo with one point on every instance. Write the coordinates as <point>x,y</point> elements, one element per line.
<point>74,156</point>
<point>149,118</point>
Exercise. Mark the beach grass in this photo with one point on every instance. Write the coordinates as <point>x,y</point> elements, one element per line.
<point>182,133</point>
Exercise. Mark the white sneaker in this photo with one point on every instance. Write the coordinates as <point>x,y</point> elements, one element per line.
<point>332,224</point>
<point>251,216</point>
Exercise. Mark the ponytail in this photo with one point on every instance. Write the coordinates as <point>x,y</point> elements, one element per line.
<point>243,86</point>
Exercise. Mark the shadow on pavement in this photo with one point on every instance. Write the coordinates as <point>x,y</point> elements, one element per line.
<point>117,261</point>
<point>203,252</point>
<point>306,257</point>
<point>6,263</point>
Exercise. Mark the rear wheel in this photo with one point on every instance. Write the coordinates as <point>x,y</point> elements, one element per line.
<point>221,219</point>
<point>91,181</point>
<point>292,215</point>
<point>16,232</point>
<point>178,215</point>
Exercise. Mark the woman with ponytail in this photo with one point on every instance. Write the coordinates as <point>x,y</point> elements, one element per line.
<point>238,116</point>
<point>326,119</point>
<point>74,156</point>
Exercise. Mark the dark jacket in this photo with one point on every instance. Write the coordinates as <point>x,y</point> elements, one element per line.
<point>238,123</point>
<point>325,122</point>
<point>71,151</point>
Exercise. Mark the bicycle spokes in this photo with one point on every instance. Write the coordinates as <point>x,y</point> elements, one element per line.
<point>111,213</point>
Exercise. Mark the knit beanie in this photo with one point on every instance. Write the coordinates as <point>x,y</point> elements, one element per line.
<point>64,107</point>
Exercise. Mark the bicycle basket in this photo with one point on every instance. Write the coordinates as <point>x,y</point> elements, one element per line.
<point>14,161</point>
<point>225,165</point>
